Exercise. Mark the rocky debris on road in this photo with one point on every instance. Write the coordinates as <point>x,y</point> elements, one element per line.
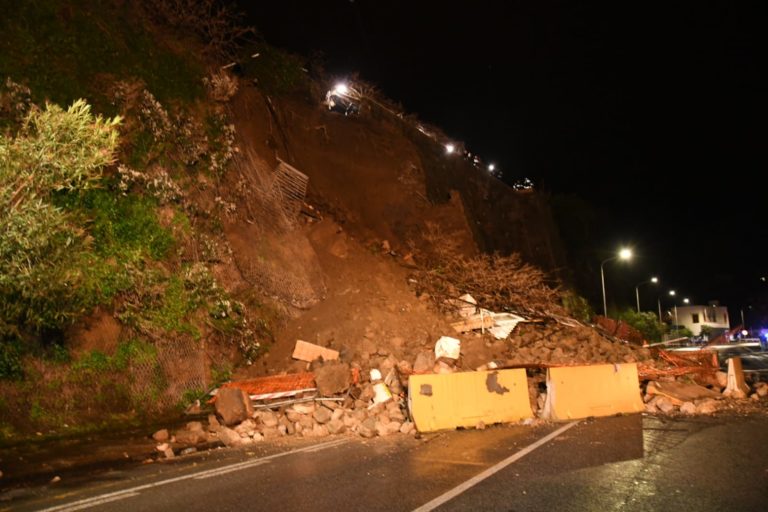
<point>304,419</point>
<point>680,395</point>
<point>361,390</point>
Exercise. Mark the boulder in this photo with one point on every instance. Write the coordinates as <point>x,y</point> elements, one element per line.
<point>246,428</point>
<point>322,415</point>
<point>664,404</point>
<point>688,408</point>
<point>707,406</point>
<point>336,426</point>
<point>268,418</point>
<point>424,362</point>
<point>229,437</point>
<point>320,431</point>
<point>367,428</point>
<point>303,408</point>
<point>233,406</point>
<point>191,436</point>
<point>332,378</point>
<point>161,436</point>
<point>306,422</point>
<point>194,425</point>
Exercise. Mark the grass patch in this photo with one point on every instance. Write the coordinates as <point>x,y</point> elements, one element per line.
<point>176,306</point>
<point>277,71</point>
<point>63,52</point>
<point>122,226</point>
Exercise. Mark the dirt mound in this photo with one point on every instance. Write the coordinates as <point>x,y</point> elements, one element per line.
<point>368,308</point>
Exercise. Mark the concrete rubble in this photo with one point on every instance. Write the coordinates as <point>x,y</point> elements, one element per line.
<point>363,392</point>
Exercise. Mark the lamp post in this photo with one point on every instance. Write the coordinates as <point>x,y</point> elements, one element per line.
<point>674,307</point>
<point>624,254</point>
<point>653,280</point>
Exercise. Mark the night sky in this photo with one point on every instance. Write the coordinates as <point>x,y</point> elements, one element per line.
<point>648,113</point>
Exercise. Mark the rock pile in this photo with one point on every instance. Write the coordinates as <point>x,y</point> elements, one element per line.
<point>555,343</point>
<point>309,418</point>
<point>679,395</point>
<point>312,419</point>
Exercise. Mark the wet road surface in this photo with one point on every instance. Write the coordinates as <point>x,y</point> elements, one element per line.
<point>618,463</point>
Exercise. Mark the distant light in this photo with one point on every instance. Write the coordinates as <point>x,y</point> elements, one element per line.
<point>686,301</point>
<point>654,279</point>
<point>625,254</point>
<point>450,148</point>
<point>341,89</point>
<point>672,292</point>
<point>491,167</point>
<point>744,332</point>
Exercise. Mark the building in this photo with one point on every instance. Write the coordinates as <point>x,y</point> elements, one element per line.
<point>696,317</point>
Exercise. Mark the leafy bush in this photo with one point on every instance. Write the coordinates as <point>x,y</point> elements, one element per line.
<point>578,307</point>
<point>646,322</point>
<point>11,366</point>
<point>56,152</point>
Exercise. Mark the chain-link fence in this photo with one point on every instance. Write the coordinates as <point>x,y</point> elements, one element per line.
<point>179,368</point>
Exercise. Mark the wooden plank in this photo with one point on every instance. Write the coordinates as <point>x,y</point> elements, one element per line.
<point>680,392</point>
<point>473,322</point>
<point>304,351</point>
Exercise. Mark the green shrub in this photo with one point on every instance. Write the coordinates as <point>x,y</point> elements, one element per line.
<point>645,322</point>
<point>11,366</point>
<point>55,153</point>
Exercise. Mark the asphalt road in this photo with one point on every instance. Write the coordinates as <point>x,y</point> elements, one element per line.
<point>618,463</point>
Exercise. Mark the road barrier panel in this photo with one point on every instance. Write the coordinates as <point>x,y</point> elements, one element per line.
<point>575,392</point>
<point>466,399</point>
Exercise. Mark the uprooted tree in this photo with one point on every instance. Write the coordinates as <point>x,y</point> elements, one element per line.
<point>498,282</point>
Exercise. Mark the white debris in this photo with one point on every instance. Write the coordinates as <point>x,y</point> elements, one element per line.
<point>447,347</point>
<point>504,323</point>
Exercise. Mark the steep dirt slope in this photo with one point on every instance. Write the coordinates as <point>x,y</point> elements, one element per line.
<point>368,307</point>
<point>380,186</point>
<point>364,171</point>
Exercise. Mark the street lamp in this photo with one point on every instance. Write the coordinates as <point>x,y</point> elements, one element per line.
<point>624,254</point>
<point>653,280</point>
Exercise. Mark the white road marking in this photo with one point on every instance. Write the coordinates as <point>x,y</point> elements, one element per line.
<point>134,491</point>
<point>492,470</point>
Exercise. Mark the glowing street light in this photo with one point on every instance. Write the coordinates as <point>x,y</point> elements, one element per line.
<point>624,254</point>
<point>450,148</point>
<point>491,167</point>
<point>653,280</point>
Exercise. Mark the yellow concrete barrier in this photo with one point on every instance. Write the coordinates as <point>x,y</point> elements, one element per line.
<point>598,390</point>
<point>465,399</point>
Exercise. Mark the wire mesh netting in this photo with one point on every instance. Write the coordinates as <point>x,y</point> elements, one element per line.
<point>165,380</point>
